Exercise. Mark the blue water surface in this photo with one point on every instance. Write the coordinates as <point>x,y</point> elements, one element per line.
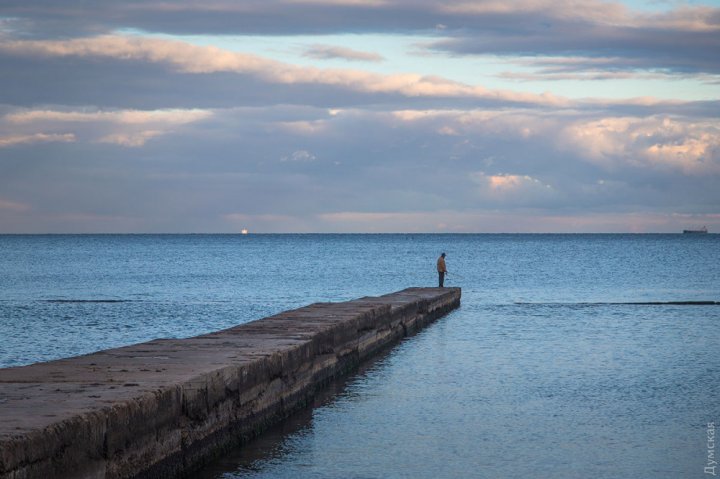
<point>552,367</point>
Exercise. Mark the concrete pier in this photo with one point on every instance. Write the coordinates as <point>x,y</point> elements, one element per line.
<point>160,409</point>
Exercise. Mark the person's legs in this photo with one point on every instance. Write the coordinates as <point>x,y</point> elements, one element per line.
<point>441,279</point>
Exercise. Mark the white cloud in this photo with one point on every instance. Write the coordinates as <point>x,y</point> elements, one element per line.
<point>329,52</point>
<point>692,147</point>
<point>512,190</point>
<point>516,123</point>
<point>190,58</point>
<point>503,182</point>
<point>684,145</point>
<point>396,169</point>
<point>131,139</point>
<point>13,140</point>
<point>129,128</point>
<point>304,127</point>
<point>132,117</point>
<point>301,156</point>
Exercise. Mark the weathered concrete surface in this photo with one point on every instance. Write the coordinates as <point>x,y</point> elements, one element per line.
<point>159,409</point>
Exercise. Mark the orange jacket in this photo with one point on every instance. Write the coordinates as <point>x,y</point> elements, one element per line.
<point>441,265</point>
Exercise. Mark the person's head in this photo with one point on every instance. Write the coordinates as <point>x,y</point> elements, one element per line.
<point>443,255</point>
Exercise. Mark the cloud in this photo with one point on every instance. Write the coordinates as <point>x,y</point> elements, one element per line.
<point>131,140</point>
<point>329,52</point>
<point>131,117</point>
<point>504,183</point>
<point>518,123</point>
<point>595,11</point>
<point>513,190</point>
<point>186,57</point>
<point>344,3</point>
<point>299,156</point>
<point>691,147</point>
<point>680,40</point>
<point>304,127</point>
<point>358,221</point>
<point>13,206</point>
<point>502,170</point>
<point>164,74</point>
<point>607,36</point>
<point>194,59</point>
<point>579,68</point>
<point>129,128</point>
<point>681,144</point>
<point>223,139</point>
<point>524,221</point>
<point>14,140</point>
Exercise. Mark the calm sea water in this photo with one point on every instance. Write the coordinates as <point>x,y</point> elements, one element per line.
<point>547,369</point>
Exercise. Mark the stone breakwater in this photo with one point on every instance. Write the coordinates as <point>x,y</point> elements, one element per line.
<point>160,409</point>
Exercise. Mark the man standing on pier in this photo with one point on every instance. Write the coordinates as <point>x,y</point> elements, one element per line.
<point>441,269</point>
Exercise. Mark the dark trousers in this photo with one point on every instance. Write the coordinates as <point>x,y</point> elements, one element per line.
<point>441,278</point>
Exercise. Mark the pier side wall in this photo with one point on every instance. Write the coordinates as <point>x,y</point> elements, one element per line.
<point>161,409</point>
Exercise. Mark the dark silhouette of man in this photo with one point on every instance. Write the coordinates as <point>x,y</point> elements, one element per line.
<point>442,269</point>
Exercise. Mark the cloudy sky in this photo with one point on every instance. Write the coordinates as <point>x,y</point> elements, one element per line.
<point>359,116</point>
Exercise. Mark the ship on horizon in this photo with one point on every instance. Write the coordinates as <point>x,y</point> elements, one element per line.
<point>700,231</point>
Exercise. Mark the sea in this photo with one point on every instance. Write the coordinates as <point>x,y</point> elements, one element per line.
<point>570,356</point>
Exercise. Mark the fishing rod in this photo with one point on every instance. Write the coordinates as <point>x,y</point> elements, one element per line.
<point>455,275</point>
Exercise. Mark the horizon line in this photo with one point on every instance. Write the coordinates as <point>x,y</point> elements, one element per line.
<point>265,233</point>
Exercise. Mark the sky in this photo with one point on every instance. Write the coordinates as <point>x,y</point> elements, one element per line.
<point>214,116</point>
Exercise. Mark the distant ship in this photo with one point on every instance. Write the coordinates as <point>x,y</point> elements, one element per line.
<point>701,231</point>
<point>244,231</point>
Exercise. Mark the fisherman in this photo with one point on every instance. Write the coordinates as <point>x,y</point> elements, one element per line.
<point>442,269</point>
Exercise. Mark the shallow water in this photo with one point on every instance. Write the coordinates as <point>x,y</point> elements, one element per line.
<point>536,375</point>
